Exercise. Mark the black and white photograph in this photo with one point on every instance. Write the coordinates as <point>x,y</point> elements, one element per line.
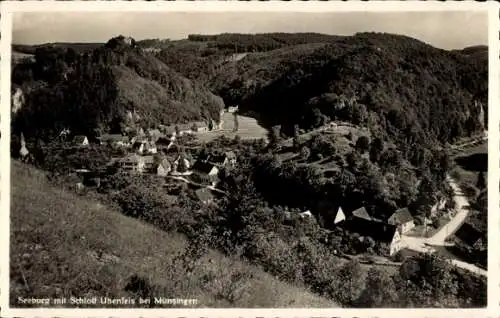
<point>180,159</point>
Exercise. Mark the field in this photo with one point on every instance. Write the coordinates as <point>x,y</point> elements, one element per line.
<point>63,244</point>
<point>248,128</point>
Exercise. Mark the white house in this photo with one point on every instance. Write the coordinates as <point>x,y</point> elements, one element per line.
<point>305,214</point>
<point>403,220</point>
<point>81,140</point>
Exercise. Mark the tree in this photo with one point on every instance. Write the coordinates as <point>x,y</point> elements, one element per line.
<point>376,149</point>
<point>296,134</point>
<point>348,283</point>
<point>481,181</point>
<point>236,123</point>
<point>379,291</point>
<point>305,153</point>
<point>363,143</point>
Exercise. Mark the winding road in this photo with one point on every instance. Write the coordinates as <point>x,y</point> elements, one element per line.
<point>429,245</point>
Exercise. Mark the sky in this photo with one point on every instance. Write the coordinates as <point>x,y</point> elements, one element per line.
<point>447,30</point>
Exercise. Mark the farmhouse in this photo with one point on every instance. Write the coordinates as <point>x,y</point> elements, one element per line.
<point>80,140</point>
<point>467,235</point>
<point>205,172</point>
<point>199,126</point>
<point>144,146</point>
<point>232,109</point>
<point>131,162</point>
<point>178,161</point>
<point>163,167</point>
<point>115,140</point>
<point>228,158</point>
<point>378,231</point>
<point>306,214</point>
<point>403,220</point>
<point>149,163</point>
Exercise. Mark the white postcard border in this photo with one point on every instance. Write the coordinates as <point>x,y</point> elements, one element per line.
<point>9,7</point>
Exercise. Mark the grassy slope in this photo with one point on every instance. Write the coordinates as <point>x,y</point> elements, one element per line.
<point>55,235</point>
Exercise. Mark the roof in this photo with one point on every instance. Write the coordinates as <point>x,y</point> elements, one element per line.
<point>380,232</point>
<point>361,213</point>
<point>79,139</point>
<point>401,216</point>
<point>203,194</point>
<point>164,163</point>
<point>114,137</point>
<point>184,127</point>
<point>199,123</point>
<point>468,234</point>
<point>201,166</point>
<point>130,158</point>
<point>217,159</point>
<point>148,159</point>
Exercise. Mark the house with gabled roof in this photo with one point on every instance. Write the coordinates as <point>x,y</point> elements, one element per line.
<point>162,167</point>
<point>227,158</point>
<point>468,235</point>
<point>380,232</point>
<point>205,172</point>
<point>402,219</point>
<point>115,140</point>
<point>80,141</point>
<point>199,126</point>
<point>132,162</point>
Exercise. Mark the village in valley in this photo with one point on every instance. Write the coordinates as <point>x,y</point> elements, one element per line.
<point>171,152</point>
<point>251,170</point>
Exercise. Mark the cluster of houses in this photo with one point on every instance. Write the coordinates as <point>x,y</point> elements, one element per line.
<point>388,232</point>
<point>143,156</point>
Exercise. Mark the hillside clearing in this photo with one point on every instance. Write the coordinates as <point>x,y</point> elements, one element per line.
<point>248,128</point>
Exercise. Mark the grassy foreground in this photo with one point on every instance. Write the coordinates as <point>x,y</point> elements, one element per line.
<point>63,244</point>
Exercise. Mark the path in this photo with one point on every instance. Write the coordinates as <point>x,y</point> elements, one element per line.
<point>425,245</point>
<point>180,178</point>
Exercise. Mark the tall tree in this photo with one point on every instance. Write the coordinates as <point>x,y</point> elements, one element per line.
<point>481,181</point>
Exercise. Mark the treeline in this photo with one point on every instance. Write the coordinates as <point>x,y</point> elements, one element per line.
<point>78,47</point>
<point>261,42</point>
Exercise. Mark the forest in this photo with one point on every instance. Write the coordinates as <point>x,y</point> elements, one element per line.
<point>91,93</point>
